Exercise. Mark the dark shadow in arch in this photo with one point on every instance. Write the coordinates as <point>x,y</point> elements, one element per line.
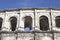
<point>44,23</point>
<point>13,21</point>
<point>57,20</point>
<point>28,22</point>
<point>1,20</point>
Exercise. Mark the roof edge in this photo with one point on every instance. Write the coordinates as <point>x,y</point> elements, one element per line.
<point>16,9</point>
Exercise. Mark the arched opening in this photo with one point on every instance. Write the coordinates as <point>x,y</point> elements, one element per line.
<point>1,20</point>
<point>44,24</point>
<point>57,20</point>
<point>28,22</point>
<point>13,21</point>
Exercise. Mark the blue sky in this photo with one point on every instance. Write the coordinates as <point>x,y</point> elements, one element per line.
<point>5,4</point>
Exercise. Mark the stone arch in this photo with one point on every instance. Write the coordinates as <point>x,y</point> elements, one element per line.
<point>57,20</point>
<point>44,23</point>
<point>1,21</point>
<point>28,22</point>
<point>13,22</point>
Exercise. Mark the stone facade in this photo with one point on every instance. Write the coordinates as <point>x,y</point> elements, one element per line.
<point>47,30</point>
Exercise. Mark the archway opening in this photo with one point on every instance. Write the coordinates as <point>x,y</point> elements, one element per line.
<point>13,21</point>
<point>28,22</point>
<point>57,20</point>
<point>44,24</point>
<point>1,20</point>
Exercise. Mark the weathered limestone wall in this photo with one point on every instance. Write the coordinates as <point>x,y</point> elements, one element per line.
<point>56,36</point>
<point>25,36</point>
<point>43,36</point>
<point>35,14</point>
<point>8,36</point>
